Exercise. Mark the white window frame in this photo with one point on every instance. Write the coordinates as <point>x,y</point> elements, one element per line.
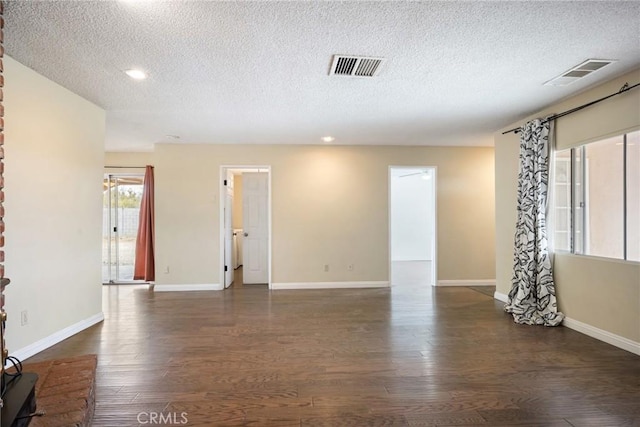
<point>578,241</point>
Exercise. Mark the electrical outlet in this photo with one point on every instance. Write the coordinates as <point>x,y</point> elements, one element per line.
<point>24,318</point>
<point>326,267</point>
<point>350,267</point>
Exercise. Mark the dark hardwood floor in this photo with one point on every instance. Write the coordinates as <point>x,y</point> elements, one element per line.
<point>405,356</point>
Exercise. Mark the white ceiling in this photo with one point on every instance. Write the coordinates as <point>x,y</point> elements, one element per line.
<point>257,72</point>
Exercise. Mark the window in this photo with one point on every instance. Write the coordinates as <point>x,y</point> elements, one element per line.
<point>597,198</point>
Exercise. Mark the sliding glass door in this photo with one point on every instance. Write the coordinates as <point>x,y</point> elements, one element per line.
<point>121,211</point>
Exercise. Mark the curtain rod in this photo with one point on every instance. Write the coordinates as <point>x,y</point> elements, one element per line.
<point>125,167</point>
<point>623,89</point>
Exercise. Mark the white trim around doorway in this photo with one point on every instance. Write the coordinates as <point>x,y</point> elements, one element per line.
<point>222,201</point>
<point>434,243</point>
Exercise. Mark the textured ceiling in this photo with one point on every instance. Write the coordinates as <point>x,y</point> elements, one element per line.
<point>257,72</point>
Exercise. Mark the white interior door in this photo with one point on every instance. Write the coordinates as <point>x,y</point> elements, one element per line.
<point>228,239</point>
<point>228,230</point>
<point>255,188</point>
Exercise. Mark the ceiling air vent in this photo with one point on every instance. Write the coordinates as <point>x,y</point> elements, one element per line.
<point>587,67</point>
<point>357,66</point>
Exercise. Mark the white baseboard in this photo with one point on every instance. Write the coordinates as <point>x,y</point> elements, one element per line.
<point>501,297</point>
<point>329,285</point>
<point>602,335</point>
<point>592,331</point>
<point>483,282</point>
<point>55,338</point>
<point>190,287</point>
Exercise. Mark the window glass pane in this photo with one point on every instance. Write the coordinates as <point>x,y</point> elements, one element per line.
<point>562,201</point>
<point>633,196</point>
<point>578,200</point>
<point>604,207</point>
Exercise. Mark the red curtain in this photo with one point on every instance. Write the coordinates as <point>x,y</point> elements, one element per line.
<point>144,268</point>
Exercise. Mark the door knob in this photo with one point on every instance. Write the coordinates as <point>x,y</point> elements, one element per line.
<point>246,234</point>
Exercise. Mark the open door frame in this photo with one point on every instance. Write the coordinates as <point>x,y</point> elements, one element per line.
<point>111,183</point>
<point>434,243</point>
<point>222,193</point>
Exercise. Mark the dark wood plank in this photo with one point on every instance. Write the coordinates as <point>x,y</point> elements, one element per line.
<point>406,356</point>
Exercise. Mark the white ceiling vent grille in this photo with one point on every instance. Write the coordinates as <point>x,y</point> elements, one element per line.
<point>579,71</point>
<point>357,66</point>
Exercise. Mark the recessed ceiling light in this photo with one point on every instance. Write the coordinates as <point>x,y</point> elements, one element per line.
<point>136,74</point>
<point>328,139</point>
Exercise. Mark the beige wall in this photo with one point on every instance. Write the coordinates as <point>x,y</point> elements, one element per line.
<point>135,161</point>
<point>600,292</point>
<point>329,205</point>
<point>53,176</point>
<point>608,300</point>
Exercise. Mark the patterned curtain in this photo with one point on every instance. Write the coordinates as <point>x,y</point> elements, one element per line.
<point>532,299</point>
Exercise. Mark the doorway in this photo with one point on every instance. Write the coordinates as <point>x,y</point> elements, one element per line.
<point>122,195</point>
<point>245,226</point>
<point>412,226</point>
